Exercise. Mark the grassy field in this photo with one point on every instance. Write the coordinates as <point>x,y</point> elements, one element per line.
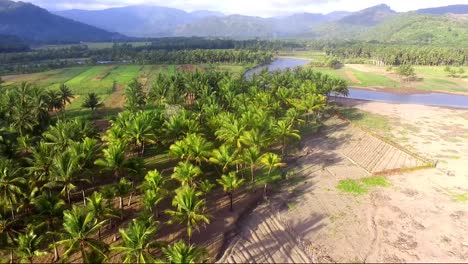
<point>306,54</point>
<point>429,78</point>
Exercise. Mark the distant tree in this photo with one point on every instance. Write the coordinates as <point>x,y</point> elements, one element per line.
<point>92,102</point>
<point>406,71</point>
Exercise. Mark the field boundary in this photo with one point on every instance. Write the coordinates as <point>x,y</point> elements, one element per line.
<point>427,162</point>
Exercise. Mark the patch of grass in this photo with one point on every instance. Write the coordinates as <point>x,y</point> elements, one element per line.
<point>374,79</point>
<point>351,186</point>
<point>460,197</point>
<point>376,181</point>
<point>292,206</point>
<point>362,186</point>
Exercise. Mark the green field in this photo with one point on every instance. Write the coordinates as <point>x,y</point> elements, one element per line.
<point>100,79</point>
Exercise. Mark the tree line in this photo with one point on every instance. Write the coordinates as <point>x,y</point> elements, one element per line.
<point>394,54</point>
<point>43,60</point>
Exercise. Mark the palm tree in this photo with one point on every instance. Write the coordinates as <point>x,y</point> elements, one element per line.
<point>9,229</point>
<point>154,181</point>
<point>230,132</point>
<point>28,246</point>
<point>151,200</point>
<point>122,189</point>
<point>138,239</point>
<point>179,252</point>
<point>252,158</point>
<point>11,182</point>
<point>114,159</point>
<point>185,173</point>
<point>224,157</point>
<point>192,148</point>
<point>65,94</point>
<point>92,102</point>
<point>189,209</point>
<point>102,212</point>
<point>271,161</point>
<point>64,171</point>
<point>51,208</point>
<point>230,183</point>
<point>283,130</point>
<point>140,131</point>
<point>41,162</point>
<point>80,226</point>
<point>205,187</point>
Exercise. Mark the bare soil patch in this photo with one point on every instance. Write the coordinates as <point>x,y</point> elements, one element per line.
<point>419,218</point>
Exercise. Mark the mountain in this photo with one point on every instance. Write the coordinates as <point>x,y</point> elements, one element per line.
<point>205,13</point>
<point>237,26</point>
<point>421,29</point>
<point>138,20</point>
<point>157,21</point>
<point>135,21</point>
<point>354,24</point>
<point>368,17</point>
<point>452,9</point>
<point>32,23</point>
<point>234,26</point>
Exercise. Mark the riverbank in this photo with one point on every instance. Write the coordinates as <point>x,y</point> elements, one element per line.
<point>406,90</point>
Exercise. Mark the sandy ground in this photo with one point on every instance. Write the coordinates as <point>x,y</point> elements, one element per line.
<point>421,217</point>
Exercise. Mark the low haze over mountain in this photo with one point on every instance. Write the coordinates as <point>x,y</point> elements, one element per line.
<point>33,23</point>
<point>374,23</point>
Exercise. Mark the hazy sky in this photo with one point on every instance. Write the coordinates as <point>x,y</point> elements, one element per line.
<point>251,7</point>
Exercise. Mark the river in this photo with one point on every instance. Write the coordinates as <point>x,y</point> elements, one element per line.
<point>434,99</point>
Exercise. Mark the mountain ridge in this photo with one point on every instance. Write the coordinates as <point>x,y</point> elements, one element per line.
<point>35,24</point>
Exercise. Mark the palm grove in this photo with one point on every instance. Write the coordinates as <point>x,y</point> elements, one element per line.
<point>64,184</point>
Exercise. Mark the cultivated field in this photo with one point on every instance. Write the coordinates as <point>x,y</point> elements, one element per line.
<point>100,80</point>
<point>333,210</point>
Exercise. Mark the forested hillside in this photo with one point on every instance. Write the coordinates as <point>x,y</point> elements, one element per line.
<point>35,24</point>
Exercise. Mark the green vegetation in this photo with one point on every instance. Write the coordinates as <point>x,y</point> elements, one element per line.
<point>185,138</point>
<point>362,186</point>
<point>351,186</point>
<point>368,79</point>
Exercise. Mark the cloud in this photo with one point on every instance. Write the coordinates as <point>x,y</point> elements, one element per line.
<point>249,7</point>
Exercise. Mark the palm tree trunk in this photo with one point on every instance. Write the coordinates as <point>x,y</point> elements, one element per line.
<point>252,172</point>
<point>68,196</point>
<point>230,197</point>
<point>130,199</point>
<point>12,209</point>
<point>11,256</point>
<point>84,197</point>
<point>121,206</point>
<point>83,254</point>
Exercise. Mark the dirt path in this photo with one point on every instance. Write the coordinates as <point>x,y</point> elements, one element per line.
<point>353,78</point>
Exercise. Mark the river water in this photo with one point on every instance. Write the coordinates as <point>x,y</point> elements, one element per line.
<point>435,99</point>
